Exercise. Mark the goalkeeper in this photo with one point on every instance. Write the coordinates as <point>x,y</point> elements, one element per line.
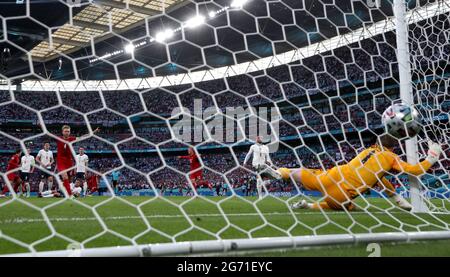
<point>343,183</point>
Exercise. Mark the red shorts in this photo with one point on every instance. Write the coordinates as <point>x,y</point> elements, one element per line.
<point>92,185</point>
<point>12,177</point>
<point>197,175</point>
<point>64,165</point>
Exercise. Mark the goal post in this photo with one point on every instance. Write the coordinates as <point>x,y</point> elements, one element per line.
<point>212,247</point>
<point>406,96</point>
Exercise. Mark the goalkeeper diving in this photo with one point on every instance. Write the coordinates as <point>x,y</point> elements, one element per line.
<point>341,184</point>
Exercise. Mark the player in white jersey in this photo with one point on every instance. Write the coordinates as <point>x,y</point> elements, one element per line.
<point>46,160</point>
<point>26,168</point>
<point>74,187</point>
<point>81,161</point>
<point>261,163</point>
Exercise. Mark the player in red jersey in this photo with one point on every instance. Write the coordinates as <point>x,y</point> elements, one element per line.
<point>64,157</point>
<point>92,182</point>
<point>13,177</point>
<point>196,173</point>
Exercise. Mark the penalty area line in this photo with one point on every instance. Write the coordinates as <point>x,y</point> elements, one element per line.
<point>23,220</point>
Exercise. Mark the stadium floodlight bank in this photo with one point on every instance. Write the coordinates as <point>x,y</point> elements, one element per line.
<point>241,245</point>
<point>413,16</point>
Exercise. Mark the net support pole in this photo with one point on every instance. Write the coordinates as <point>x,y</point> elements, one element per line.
<point>406,95</point>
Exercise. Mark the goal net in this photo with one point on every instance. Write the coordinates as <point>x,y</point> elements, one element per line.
<point>150,89</point>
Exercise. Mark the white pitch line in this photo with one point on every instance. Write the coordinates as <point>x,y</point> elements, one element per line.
<point>21,220</point>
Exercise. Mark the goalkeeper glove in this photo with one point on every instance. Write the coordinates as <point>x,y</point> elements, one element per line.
<point>434,151</point>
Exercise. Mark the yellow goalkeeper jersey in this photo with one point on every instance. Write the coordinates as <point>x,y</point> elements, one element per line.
<point>369,166</point>
<point>344,182</point>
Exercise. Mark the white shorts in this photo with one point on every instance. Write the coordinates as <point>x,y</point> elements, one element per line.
<point>76,190</point>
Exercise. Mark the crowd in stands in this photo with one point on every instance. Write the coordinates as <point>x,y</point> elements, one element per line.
<point>366,61</point>
<point>115,128</point>
<point>357,66</point>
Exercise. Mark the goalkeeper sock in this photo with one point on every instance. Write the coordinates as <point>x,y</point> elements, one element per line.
<point>41,186</point>
<point>85,187</point>
<point>50,185</point>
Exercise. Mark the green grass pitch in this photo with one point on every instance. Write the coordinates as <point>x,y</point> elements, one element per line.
<point>157,220</point>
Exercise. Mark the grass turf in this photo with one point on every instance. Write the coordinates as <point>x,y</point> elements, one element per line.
<point>104,221</point>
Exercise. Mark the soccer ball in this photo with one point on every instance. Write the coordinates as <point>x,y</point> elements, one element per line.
<point>402,121</point>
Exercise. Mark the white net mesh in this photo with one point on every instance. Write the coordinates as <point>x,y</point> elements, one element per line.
<point>159,77</point>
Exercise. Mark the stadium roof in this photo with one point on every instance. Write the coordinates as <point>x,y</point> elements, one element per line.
<point>95,21</point>
<point>427,11</point>
<point>82,48</point>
